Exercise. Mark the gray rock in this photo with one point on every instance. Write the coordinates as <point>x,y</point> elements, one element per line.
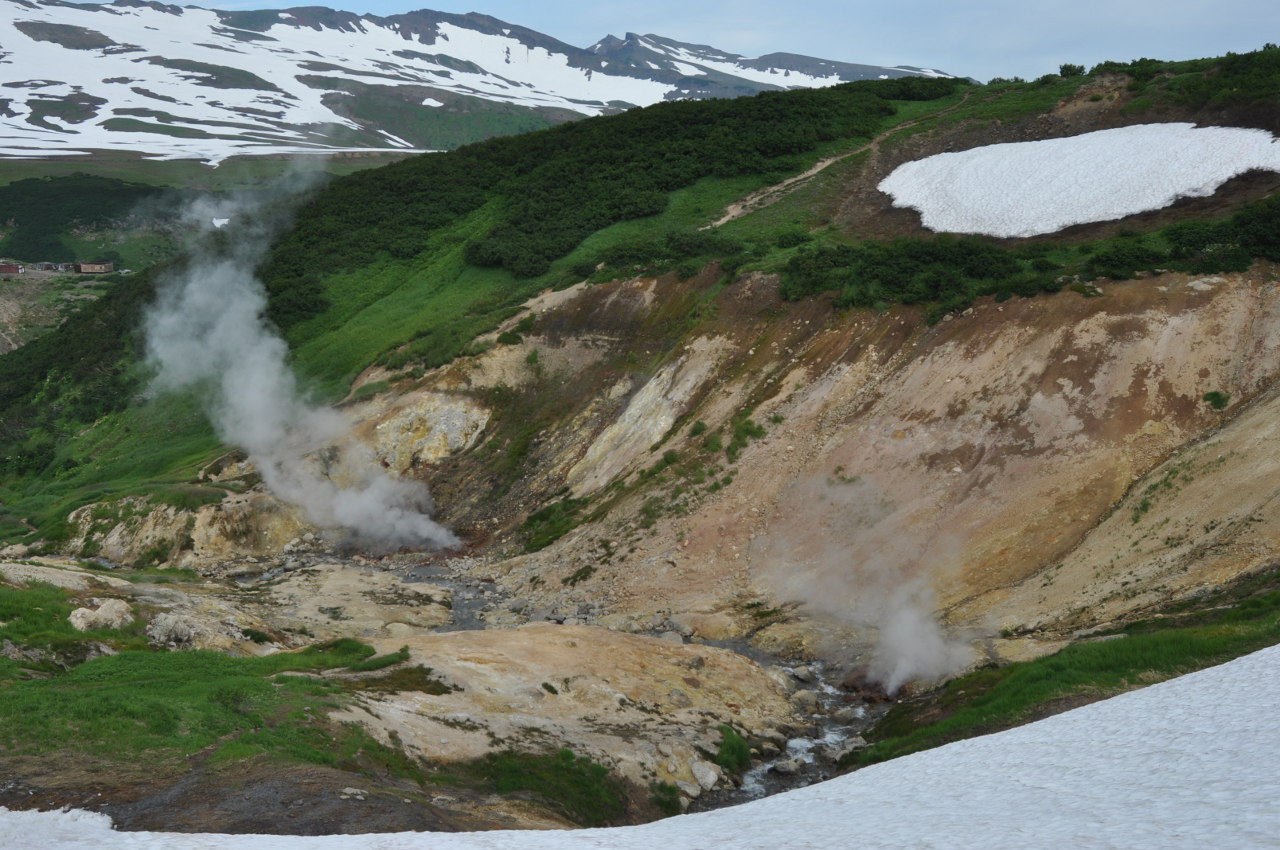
<point>171,630</point>
<point>111,614</point>
<point>806,701</point>
<point>690,789</point>
<point>835,753</point>
<point>804,674</point>
<point>846,715</point>
<point>706,773</point>
<point>786,767</point>
<point>671,637</point>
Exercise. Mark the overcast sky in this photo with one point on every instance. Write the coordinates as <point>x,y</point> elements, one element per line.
<point>978,38</point>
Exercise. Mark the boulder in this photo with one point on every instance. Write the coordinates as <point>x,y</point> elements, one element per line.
<point>706,774</point>
<point>171,630</point>
<point>691,790</point>
<point>804,673</point>
<point>111,614</point>
<point>805,701</point>
<point>786,767</point>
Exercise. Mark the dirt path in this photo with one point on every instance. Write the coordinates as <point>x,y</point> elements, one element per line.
<point>762,198</point>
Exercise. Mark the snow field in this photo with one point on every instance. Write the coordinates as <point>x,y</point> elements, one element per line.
<point>1030,188</point>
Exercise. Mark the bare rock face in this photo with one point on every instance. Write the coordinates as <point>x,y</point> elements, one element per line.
<point>425,427</point>
<point>1033,466</point>
<point>60,573</point>
<point>331,600</point>
<point>630,702</point>
<point>111,614</point>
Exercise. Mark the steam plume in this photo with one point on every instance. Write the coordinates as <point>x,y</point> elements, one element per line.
<point>206,332</point>
<point>825,563</point>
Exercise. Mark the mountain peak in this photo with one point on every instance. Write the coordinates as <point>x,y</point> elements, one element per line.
<point>186,82</point>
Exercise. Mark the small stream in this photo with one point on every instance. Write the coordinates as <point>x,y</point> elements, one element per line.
<point>810,756</point>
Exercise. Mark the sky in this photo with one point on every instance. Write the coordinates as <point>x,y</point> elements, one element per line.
<point>979,38</point>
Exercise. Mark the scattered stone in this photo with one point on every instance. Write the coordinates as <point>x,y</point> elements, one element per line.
<point>664,748</point>
<point>15,652</point>
<point>672,637</point>
<point>518,605</point>
<point>690,789</point>
<point>171,630</point>
<point>806,701</point>
<point>804,674</point>
<point>786,767</point>
<point>846,715</point>
<point>706,773</point>
<point>111,614</point>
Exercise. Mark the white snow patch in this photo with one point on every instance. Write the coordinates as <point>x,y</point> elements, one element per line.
<point>432,102</point>
<point>1029,188</point>
<point>1188,763</point>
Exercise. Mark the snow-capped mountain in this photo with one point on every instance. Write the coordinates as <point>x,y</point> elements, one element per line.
<point>196,83</point>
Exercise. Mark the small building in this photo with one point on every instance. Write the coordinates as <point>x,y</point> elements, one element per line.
<point>46,267</point>
<point>66,267</point>
<point>12,268</point>
<point>95,268</point>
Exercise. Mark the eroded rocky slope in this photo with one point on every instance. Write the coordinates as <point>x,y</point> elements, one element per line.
<point>1038,465</point>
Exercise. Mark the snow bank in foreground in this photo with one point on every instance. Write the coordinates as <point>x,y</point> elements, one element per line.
<point>1028,188</point>
<point>1188,763</point>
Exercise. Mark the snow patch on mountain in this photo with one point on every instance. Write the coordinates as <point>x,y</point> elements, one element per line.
<point>1031,188</point>
<point>187,82</point>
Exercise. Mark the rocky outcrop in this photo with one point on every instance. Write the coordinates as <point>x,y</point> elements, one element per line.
<point>949,468</point>
<point>647,708</point>
<point>331,600</point>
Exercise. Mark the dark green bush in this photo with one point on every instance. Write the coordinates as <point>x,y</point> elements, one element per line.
<point>1217,400</point>
<point>734,754</point>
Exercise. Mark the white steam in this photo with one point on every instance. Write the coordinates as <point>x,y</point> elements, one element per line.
<point>821,560</point>
<point>910,644</point>
<point>207,332</point>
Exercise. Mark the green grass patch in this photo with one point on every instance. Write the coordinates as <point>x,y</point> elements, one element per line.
<point>168,705</point>
<point>380,661</point>
<point>188,497</point>
<point>549,524</point>
<point>577,787</point>
<point>36,615</point>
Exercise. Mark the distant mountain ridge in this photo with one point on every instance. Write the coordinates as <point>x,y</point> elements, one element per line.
<point>188,82</point>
